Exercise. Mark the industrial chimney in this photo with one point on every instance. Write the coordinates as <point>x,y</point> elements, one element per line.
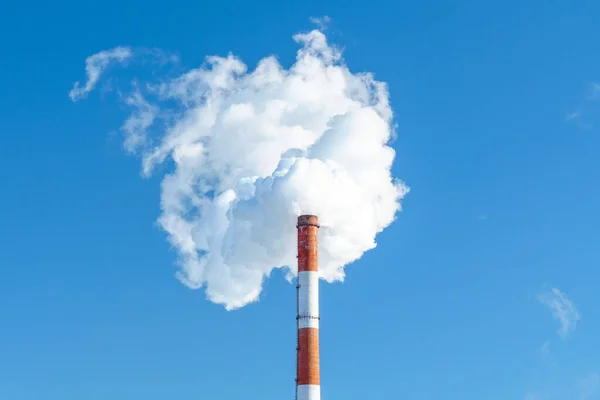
<point>308,380</point>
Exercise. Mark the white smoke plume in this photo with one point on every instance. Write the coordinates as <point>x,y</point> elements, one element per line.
<point>252,150</point>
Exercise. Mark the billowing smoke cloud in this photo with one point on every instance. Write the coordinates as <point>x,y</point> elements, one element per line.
<point>252,150</point>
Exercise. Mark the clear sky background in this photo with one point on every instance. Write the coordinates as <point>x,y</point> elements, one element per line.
<point>497,138</point>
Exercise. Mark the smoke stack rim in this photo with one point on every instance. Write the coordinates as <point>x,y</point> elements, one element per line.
<point>308,220</point>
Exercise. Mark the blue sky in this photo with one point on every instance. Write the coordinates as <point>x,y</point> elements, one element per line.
<point>497,138</point>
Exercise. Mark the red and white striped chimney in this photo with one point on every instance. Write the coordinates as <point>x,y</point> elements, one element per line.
<point>308,380</point>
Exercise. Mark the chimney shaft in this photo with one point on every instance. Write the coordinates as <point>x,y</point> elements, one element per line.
<point>308,380</point>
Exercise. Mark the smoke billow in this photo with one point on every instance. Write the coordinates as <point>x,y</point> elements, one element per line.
<point>252,150</point>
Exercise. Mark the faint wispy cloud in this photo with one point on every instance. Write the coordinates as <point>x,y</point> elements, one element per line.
<point>575,117</point>
<point>588,386</point>
<point>545,349</point>
<point>95,65</point>
<point>321,22</point>
<point>482,217</point>
<point>594,91</point>
<point>136,126</point>
<point>555,382</point>
<point>532,396</point>
<point>587,108</point>
<point>562,309</point>
<point>546,355</point>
